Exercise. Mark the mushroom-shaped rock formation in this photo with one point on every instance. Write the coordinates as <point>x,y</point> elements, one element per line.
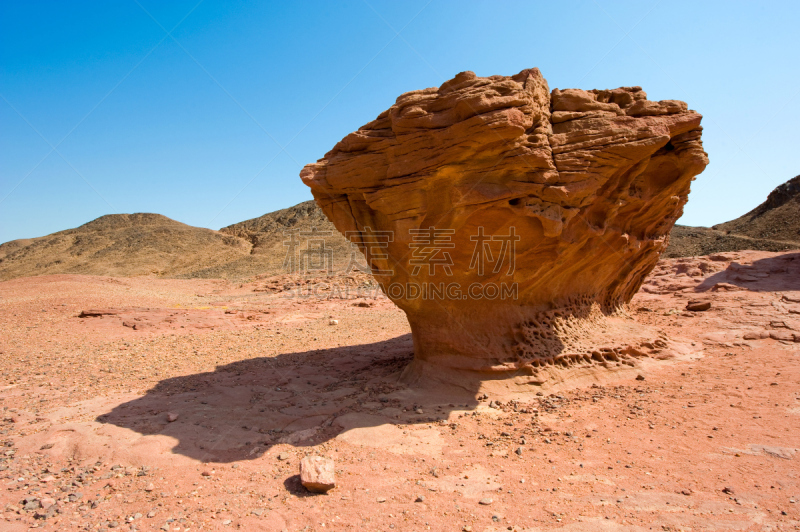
<point>512,224</point>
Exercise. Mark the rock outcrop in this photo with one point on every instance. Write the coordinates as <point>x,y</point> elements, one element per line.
<point>509,221</point>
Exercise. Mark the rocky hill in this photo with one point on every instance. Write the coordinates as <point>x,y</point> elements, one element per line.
<point>151,244</point>
<point>270,237</point>
<point>687,241</point>
<point>122,245</point>
<point>772,226</point>
<point>778,218</point>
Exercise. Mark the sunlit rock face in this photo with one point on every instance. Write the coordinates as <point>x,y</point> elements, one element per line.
<point>512,223</point>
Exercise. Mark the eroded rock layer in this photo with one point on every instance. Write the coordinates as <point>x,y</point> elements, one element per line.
<point>509,221</point>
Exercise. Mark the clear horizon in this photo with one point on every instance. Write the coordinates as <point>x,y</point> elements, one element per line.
<point>206,112</point>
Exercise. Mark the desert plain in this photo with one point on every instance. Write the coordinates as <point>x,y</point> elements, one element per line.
<point>142,403</point>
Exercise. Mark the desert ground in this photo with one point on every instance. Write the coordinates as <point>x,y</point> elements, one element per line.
<point>153,404</point>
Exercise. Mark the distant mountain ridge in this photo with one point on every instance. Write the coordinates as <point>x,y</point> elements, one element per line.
<point>267,231</point>
<point>127,245</point>
<point>151,244</point>
<point>121,245</point>
<point>772,226</point>
<point>778,218</point>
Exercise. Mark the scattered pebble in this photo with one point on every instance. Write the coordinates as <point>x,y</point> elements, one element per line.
<point>698,306</point>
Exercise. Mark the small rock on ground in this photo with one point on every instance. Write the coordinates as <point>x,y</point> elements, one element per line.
<point>317,474</point>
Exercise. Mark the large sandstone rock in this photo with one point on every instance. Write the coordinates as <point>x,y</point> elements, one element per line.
<point>539,213</point>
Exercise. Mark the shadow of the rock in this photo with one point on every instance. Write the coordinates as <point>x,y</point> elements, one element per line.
<point>242,409</point>
<point>294,486</point>
<point>779,273</point>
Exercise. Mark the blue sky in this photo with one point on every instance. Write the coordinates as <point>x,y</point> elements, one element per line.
<point>206,112</point>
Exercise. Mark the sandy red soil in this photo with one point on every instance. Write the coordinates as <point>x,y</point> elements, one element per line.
<point>254,380</point>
